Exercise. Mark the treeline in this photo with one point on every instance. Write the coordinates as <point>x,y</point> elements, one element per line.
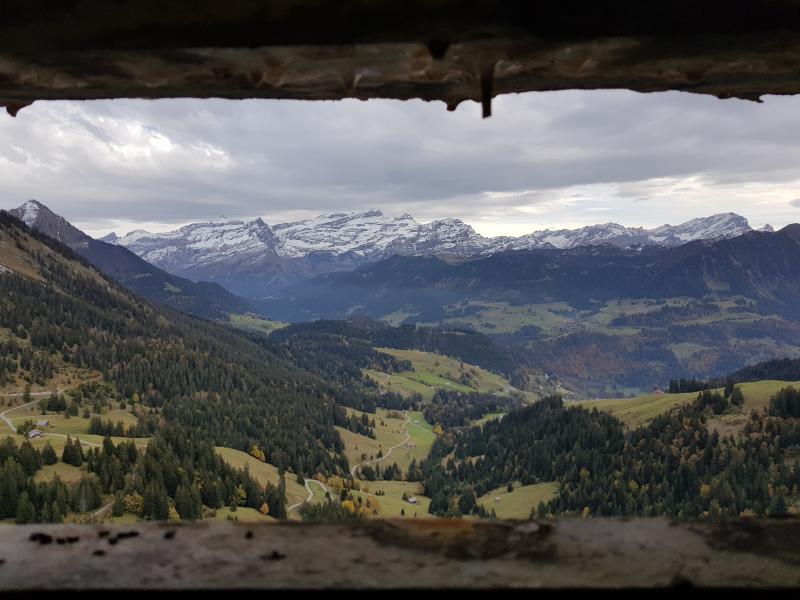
<point>455,409</point>
<point>362,425</point>
<point>673,466</point>
<point>667,315</point>
<point>179,475</point>
<point>145,426</point>
<point>534,444</point>
<point>781,369</point>
<point>677,467</point>
<point>469,346</point>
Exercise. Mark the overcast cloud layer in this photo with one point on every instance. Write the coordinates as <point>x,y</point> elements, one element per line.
<point>547,160</point>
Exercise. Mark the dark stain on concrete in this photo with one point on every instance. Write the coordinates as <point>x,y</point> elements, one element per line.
<point>751,536</point>
<point>466,540</point>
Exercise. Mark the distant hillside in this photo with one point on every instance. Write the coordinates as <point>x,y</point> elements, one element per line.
<point>605,320</point>
<point>758,265</point>
<point>203,299</point>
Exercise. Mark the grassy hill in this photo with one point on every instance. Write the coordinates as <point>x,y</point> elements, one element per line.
<point>518,503</point>
<point>433,371</point>
<point>263,473</point>
<point>634,412</point>
<point>391,503</point>
<point>389,432</point>
<point>253,322</point>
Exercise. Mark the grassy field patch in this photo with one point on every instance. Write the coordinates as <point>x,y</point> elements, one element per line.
<point>434,371</point>
<point>518,503</point>
<point>264,473</point>
<point>67,473</point>
<point>391,503</point>
<point>253,322</point>
<point>242,514</point>
<point>639,411</point>
<point>486,418</point>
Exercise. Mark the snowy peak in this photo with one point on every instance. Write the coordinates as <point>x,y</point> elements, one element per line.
<point>224,248</point>
<point>366,233</point>
<point>705,228</point>
<point>209,243</point>
<point>37,216</point>
<point>29,212</point>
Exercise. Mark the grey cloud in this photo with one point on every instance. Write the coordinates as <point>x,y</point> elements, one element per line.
<point>100,162</point>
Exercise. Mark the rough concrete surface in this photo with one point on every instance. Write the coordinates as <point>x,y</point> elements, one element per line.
<point>599,552</point>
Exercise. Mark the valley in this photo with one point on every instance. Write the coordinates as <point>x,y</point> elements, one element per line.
<point>456,410</point>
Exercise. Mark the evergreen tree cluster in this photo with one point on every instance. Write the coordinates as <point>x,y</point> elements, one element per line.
<point>26,501</point>
<point>674,466</point>
<point>193,372</point>
<point>457,409</point>
<point>145,426</point>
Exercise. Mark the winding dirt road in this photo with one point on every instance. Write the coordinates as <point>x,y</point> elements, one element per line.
<point>14,428</point>
<point>385,456</point>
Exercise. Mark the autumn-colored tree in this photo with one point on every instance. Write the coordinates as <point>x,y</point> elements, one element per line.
<point>134,503</point>
<point>240,495</point>
<point>258,453</point>
<point>348,504</point>
<point>336,483</point>
<point>264,510</point>
<point>586,512</point>
<point>437,430</point>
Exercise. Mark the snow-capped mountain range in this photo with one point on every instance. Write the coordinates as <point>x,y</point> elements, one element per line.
<point>252,258</point>
<point>372,234</point>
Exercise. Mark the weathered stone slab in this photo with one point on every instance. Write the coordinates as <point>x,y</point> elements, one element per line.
<point>402,554</point>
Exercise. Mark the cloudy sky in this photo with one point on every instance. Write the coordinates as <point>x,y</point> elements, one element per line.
<point>547,160</point>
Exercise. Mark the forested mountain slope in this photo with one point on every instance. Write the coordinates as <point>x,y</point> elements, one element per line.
<point>201,298</point>
<point>194,372</point>
<point>606,321</point>
<point>676,465</point>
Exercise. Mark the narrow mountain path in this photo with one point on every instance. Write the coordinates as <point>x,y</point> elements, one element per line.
<point>310,493</point>
<point>13,427</point>
<point>389,453</point>
<point>102,510</point>
<point>8,410</point>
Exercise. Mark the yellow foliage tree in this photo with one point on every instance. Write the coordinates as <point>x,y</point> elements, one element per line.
<point>133,503</point>
<point>336,482</point>
<point>438,430</point>
<point>264,510</point>
<point>348,504</point>
<point>173,514</point>
<point>586,513</point>
<point>241,495</point>
<point>258,453</point>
